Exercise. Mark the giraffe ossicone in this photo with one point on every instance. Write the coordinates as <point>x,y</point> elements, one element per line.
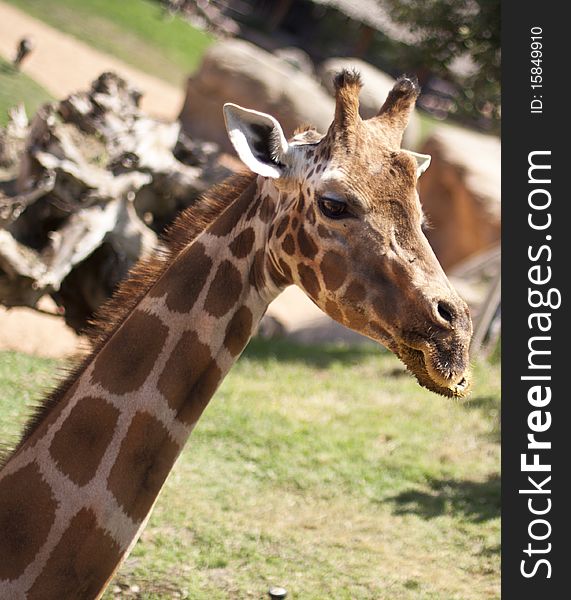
<point>336,214</point>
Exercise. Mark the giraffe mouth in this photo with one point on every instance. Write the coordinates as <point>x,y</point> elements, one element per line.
<point>434,373</point>
<point>441,370</point>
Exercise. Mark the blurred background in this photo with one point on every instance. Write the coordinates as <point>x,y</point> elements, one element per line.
<point>179,61</point>
<point>110,124</point>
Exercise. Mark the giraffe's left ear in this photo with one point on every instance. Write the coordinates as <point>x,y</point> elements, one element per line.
<point>422,161</point>
<point>258,139</point>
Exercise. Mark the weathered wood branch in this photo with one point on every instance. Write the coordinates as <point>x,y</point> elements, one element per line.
<point>91,182</point>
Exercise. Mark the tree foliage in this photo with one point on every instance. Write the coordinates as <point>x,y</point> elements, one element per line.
<point>453,30</point>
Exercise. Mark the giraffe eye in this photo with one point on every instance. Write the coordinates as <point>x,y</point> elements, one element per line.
<point>333,208</point>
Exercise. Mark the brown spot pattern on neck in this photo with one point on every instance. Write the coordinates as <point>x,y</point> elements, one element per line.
<point>88,430</point>
<point>205,211</point>
<point>27,512</point>
<point>130,355</point>
<point>224,291</point>
<point>72,570</point>
<point>145,458</point>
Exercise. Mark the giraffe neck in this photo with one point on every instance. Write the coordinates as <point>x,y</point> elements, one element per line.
<point>76,494</point>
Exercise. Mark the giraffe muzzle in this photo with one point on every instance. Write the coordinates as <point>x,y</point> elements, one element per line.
<point>442,367</point>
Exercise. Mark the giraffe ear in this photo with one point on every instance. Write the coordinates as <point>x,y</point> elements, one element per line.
<point>258,139</point>
<point>422,161</point>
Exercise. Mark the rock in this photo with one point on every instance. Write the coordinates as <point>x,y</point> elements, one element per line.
<point>461,193</point>
<point>376,87</point>
<point>237,71</point>
<point>270,328</point>
<point>297,58</point>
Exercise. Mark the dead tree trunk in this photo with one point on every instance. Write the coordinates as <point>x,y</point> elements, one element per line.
<point>84,190</point>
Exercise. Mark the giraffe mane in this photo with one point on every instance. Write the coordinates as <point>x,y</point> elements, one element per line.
<point>109,317</point>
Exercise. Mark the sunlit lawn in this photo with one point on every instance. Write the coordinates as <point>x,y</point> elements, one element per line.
<point>137,31</point>
<point>327,470</point>
<point>15,88</point>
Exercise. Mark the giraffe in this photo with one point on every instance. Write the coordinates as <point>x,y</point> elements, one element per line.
<point>336,214</point>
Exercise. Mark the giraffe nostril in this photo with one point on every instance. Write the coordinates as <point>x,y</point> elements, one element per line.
<point>445,312</point>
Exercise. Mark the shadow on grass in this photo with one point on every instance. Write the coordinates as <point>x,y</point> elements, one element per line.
<point>485,402</point>
<point>316,355</point>
<point>8,69</point>
<point>477,500</point>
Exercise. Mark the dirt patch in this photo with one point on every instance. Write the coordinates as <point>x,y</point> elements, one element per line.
<point>82,63</point>
<point>26,330</point>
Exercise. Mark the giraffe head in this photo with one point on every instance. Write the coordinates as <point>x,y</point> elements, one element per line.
<point>347,229</point>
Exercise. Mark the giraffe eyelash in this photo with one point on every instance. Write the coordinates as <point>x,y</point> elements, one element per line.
<point>333,208</point>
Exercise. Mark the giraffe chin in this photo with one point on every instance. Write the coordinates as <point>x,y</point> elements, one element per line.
<point>455,386</point>
<point>445,384</point>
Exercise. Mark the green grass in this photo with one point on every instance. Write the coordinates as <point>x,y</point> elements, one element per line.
<point>135,31</point>
<point>15,87</point>
<point>327,470</point>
